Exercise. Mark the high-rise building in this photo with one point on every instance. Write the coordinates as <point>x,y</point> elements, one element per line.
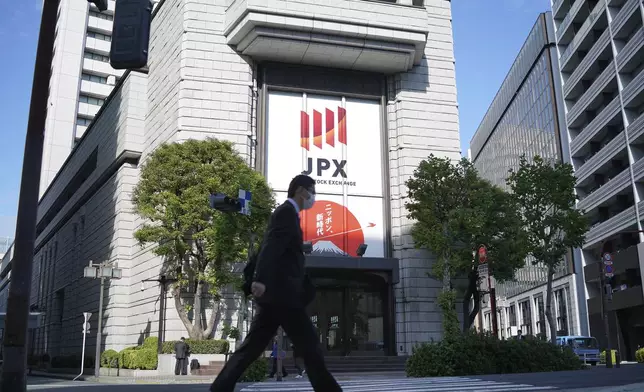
<point>601,56</point>
<point>80,81</point>
<point>527,117</point>
<point>377,79</point>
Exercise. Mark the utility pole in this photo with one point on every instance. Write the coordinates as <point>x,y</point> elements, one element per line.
<point>13,378</point>
<point>605,271</point>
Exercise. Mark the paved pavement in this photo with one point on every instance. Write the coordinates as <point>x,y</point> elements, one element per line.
<point>625,379</point>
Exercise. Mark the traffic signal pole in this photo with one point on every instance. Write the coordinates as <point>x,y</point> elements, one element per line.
<point>14,378</point>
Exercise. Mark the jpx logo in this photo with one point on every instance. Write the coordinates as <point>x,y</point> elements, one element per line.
<point>319,138</point>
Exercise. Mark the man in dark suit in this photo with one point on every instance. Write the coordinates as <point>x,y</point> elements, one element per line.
<point>282,291</point>
<point>181,354</point>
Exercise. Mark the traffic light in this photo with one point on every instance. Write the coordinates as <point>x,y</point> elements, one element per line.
<point>131,34</point>
<point>223,203</point>
<point>100,4</point>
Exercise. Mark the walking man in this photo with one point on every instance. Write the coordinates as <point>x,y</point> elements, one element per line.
<point>282,291</point>
<point>181,350</point>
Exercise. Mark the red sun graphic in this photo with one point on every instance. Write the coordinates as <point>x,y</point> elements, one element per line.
<point>332,228</point>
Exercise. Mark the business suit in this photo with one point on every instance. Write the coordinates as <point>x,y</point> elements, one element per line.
<point>181,354</point>
<point>280,267</point>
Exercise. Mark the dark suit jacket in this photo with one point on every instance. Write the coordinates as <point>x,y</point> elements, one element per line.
<point>181,349</point>
<point>280,263</point>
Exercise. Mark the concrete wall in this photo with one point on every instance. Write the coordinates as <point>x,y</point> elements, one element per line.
<point>422,112</point>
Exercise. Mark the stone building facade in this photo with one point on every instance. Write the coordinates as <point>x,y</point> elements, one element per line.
<point>212,69</point>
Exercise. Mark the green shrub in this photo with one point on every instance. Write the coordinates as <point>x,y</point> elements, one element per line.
<point>127,357</point>
<point>140,357</point>
<point>151,342</point>
<point>110,359</point>
<point>208,346</point>
<point>474,354</point>
<point>256,372</point>
<point>602,357</point>
<point>639,355</point>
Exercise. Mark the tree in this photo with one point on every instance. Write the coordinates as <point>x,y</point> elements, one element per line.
<point>455,211</point>
<point>545,194</point>
<point>491,219</point>
<point>198,245</point>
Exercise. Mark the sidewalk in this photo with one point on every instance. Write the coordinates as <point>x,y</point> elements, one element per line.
<point>171,379</point>
<point>624,388</point>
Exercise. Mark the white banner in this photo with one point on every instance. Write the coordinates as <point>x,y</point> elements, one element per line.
<point>336,142</point>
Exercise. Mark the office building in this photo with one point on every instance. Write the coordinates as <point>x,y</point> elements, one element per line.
<point>80,81</point>
<point>376,77</point>
<point>527,117</point>
<point>601,56</point>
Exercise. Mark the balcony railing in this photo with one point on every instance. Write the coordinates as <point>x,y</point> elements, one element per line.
<point>590,58</point>
<point>603,156</point>
<point>611,226</point>
<point>633,88</point>
<point>627,10</point>
<point>572,13</point>
<point>605,191</point>
<point>636,128</point>
<point>600,83</point>
<point>600,121</point>
<point>628,51</point>
<point>581,34</point>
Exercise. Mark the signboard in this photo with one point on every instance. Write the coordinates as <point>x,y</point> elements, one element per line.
<point>337,142</point>
<point>482,254</point>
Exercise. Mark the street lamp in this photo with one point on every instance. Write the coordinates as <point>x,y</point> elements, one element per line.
<point>104,270</point>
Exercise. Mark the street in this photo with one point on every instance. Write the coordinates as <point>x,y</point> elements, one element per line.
<point>585,379</point>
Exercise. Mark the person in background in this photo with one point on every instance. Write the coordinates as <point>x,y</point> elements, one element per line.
<point>282,291</point>
<point>274,354</point>
<point>181,350</point>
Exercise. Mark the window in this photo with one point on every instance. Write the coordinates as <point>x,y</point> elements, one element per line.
<point>94,78</point>
<point>101,36</point>
<point>541,321</point>
<point>82,121</point>
<point>512,316</point>
<point>101,15</point>
<point>562,312</point>
<point>91,100</point>
<point>97,57</point>
<point>526,318</point>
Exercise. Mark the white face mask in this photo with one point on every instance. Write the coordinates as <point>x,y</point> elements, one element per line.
<point>308,203</point>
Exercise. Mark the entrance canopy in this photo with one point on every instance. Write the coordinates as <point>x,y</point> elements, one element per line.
<point>389,265</point>
<point>34,320</point>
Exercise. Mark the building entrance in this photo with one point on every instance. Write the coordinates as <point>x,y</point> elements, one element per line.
<point>351,312</point>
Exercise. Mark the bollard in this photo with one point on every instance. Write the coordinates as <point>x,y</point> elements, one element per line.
<point>618,360</point>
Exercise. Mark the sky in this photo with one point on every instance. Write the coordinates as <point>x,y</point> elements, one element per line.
<point>487,37</point>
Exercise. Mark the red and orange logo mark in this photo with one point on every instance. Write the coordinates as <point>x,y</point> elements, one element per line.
<point>332,229</point>
<point>330,131</point>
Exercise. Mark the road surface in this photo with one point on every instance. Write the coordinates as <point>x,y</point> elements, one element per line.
<point>557,381</point>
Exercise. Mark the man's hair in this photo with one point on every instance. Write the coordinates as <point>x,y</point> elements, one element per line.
<point>182,338</point>
<point>301,180</point>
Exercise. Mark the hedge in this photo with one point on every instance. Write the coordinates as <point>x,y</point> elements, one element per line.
<point>256,372</point>
<point>208,346</point>
<point>143,357</point>
<point>475,354</point>
<point>110,359</point>
<point>602,357</point>
<point>639,355</point>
